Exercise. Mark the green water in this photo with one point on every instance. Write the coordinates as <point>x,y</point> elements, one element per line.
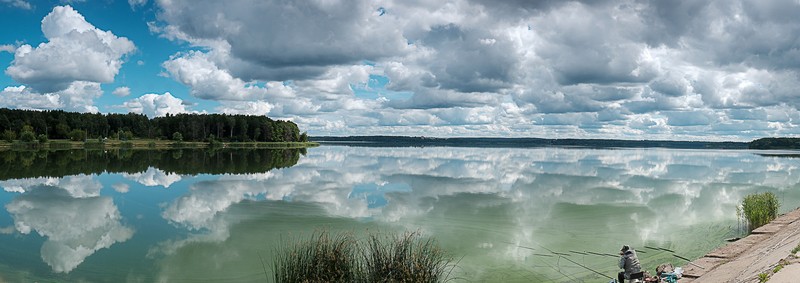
<point>216,216</point>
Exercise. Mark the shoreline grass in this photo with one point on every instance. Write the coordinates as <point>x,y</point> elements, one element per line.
<point>149,144</point>
<point>378,258</point>
<point>758,209</point>
<point>406,258</point>
<point>323,258</point>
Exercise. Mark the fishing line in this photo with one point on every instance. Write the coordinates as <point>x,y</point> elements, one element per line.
<point>551,266</point>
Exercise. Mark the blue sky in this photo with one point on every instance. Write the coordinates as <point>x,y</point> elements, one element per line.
<point>687,70</point>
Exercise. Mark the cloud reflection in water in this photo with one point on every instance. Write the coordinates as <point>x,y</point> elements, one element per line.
<point>75,227</point>
<point>581,199</point>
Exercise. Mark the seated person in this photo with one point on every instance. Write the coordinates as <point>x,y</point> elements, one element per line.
<point>629,263</point>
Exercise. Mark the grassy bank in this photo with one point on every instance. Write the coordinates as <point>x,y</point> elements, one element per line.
<point>147,144</point>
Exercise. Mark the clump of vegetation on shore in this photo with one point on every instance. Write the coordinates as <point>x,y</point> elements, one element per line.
<point>341,258</point>
<point>406,258</point>
<point>759,209</point>
<point>323,258</point>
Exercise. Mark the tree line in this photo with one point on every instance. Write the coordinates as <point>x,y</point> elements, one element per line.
<point>775,143</point>
<point>59,124</point>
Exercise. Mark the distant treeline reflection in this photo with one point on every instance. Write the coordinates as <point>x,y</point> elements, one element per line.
<point>30,164</point>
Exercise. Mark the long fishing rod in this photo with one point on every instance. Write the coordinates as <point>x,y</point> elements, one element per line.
<point>688,260</point>
<point>659,248</point>
<point>563,255</point>
<point>587,268</point>
<point>552,267</point>
<point>577,252</point>
<point>600,254</point>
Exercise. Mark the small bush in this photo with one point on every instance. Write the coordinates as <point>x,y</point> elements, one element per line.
<point>126,144</point>
<point>27,136</point>
<point>151,144</point>
<point>177,136</point>
<point>127,135</point>
<point>77,135</point>
<point>212,143</point>
<point>759,209</point>
<point>42,138</point>
<point>9,135</point>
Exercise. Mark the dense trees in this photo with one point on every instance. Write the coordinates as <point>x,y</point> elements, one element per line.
<point>775,143</point>
<point>58,124</point>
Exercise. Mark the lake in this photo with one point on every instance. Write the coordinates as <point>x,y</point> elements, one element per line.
<point>218,216</point>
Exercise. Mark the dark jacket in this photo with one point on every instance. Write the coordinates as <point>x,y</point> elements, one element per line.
<point>630,263</point>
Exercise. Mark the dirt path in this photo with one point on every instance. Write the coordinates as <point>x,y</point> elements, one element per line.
<point>745,259</point>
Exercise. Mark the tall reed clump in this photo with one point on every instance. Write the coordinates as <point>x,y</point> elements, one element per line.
<point>388,258</point>
<point>406,258</point>
<point>323,258</point>
<point>759,209</point>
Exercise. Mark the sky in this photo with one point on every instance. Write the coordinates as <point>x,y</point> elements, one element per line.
<point>627,69</point>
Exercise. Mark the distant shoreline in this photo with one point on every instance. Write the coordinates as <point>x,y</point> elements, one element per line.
<point>406,141</point>
<point>148,144</point>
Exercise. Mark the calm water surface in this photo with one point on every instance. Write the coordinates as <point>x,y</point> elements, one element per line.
<point>189,215</point>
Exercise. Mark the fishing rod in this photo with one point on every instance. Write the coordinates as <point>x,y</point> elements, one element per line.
<point>577,252</point>
<point>552,267</point>
<point>560,255</point>
<point>536,254</point>
<point>600,254</point>
<point>587,268</point>
<point>658,248</point>
<point>688,260</point>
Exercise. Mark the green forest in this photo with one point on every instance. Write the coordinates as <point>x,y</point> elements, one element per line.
<point>28,125</point>
<point>775,143</point>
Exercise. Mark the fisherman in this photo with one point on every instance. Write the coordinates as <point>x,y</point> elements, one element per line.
<point>629,263</point>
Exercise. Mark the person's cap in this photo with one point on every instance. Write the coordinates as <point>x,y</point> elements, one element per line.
<point>625,248</point>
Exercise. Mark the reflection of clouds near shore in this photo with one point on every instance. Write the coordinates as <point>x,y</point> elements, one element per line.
<point>78,186</point>
<point>402,183</point>
<point>76,222</point>
<point>153,177</point>
<point>705,181</point>
<point>562,198</point>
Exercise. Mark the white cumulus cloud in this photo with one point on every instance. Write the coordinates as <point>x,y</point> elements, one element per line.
<point>78,96</point>
<point>206,80</point>
<point>122,91</point>
<point>524,68</point>
<point>156,105</point>
<point>75,51</point>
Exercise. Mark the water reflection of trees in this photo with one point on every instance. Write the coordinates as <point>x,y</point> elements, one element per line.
<point>31,164</point>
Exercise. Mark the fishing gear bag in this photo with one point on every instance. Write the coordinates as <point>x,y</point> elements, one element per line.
<point>664,268</point>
